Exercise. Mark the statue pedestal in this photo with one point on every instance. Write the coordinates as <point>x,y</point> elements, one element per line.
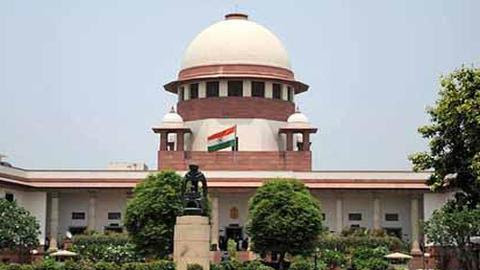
<point>191,242</point>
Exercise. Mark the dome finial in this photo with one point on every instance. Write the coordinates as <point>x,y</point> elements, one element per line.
<point>236,16</point>
<point>297,110</point>
<point>172,110</point>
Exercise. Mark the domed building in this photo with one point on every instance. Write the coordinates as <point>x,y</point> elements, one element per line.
<point>235,117</point>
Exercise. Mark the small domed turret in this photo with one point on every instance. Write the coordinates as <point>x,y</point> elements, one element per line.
<point>298,120</point>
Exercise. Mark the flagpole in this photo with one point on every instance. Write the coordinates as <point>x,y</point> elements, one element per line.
<point>235,149</point>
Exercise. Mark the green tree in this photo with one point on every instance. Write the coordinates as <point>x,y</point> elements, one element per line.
<point>453,226</point>
<point>151,213</point>
<point>454,137</point>
<point>284,219</point>
<point>19,230</point>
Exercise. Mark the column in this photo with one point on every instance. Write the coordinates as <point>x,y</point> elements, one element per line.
<point>92,208</point>
<point>180,140</point>
<point>339,215</point>
<point>247,88</point>
<point>414,219</point>
<point>306,141</point>
<point>53,221</point>
<point>376,213</point>
<point>289,135</point>
<point>163,140</point>
<point>214,221</point>
<point>223,88</point>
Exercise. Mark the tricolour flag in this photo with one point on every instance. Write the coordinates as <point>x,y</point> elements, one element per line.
<point>222,139</point>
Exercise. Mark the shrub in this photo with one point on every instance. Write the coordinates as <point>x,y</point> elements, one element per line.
<point>364,258</point>
<point>194,266</point>
<point>344,243</point>
<point>156,265</point>
<point>114,248</point>
<point>15,266</point>
<point>255,265</point>
<point>48,264</point>
<point>107,266</point>
<point>78,265</point>
<point>333,258</point>
<point>301,263</point>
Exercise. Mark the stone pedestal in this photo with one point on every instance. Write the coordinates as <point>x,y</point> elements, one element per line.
<point>191,242</point>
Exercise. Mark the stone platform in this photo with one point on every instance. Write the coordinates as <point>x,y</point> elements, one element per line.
<point>191,242</point>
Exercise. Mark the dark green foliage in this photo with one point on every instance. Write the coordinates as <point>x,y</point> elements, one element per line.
<point>106,266</point>
<point>454,137</point>
<point>333,258</point>
<point>369,258</point>
<point>50,264</point>
<point>194,266</point>
<point>303,263</point>
<point>18,228</point>
<point>454,225</point>
<point>151,213</point>
<point>284,218</point>
<point>236,265</point>
<point>115,248</point>
<point>345,243</point>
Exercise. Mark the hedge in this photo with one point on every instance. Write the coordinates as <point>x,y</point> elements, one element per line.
<point>115,248</point>
<point>346,243</point>
<point>83,265</point>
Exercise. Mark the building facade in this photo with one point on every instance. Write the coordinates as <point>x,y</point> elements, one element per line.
<point>235,73</point>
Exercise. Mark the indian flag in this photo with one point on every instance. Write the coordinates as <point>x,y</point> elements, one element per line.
<point>222,139</point>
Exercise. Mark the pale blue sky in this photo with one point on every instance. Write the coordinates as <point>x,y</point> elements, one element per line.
<point>81,81</point>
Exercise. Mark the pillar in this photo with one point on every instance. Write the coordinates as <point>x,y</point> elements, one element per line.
<point>339,215</point>
<point>53,246</point>
<point>180,140</point>
<point>306,141</point>
<point>376,213</point>
<point>163,140</point>
<point>414,219</point>
<point>92,208</point>
<point>214,222</point>
<point>289,135</point>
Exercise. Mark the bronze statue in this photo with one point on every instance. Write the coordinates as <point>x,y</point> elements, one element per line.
<point>195,202</point>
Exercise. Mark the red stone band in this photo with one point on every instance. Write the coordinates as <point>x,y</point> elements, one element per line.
<point>244,70</point>
<point>235,107</point>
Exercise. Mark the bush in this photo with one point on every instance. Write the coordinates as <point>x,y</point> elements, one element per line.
<point>344,243</point>
<point>107,266</point>
<point>78,265</point>
<point>156,265</point>
<point>302,263</point>
<point>369,258</point>
<point>194,266</point>
<point>115,248</point>
<point>255,265</point>
<point>333,258</point>
<point>15,266</point>
<point>48,264</point>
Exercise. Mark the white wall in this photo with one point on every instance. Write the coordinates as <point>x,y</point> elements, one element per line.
<point>434,201</point>
<point>253,134</point>
<point>227,201</point>
<point>78,201</point>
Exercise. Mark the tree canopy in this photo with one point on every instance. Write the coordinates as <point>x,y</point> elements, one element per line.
<point>19,230</point>
<point>151,213</point>
<point>455,225</point>
<point>284,218</point>
<point>454,137</point>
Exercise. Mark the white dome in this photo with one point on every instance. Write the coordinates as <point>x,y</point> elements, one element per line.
<point>172,117</point>
<point>236,40</point>
<point>298,117</point>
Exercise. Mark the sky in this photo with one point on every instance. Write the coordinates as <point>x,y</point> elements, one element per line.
<point>81,82</point>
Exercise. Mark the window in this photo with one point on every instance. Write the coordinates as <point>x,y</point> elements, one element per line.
<point>258,89</point>
<point>354,216</point>
<point>114,215</point>
<point>391,217</point>
<point>277,91</point>
<point>78,215</point>
<point>355,226</point>
<point>397,232</point>
<point>193,90</point>
<point>9,197</point>
<point>77,230</point>
<point>324,217</point>
<point>181,93</point>
<point>213,89</point>
<point>235,88</point>
<point>290,94</point>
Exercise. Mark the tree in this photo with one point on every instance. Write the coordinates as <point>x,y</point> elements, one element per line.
<point>151,213</point>
<point>19,230</point>
<point>453,226</point>
<point>284,218</point>
<point>454,137</point>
